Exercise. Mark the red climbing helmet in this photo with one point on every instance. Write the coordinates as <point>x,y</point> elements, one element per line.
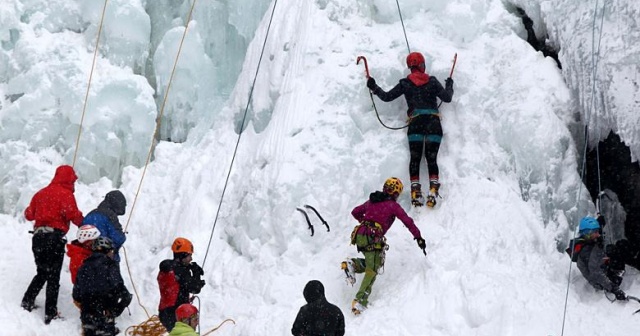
<point>186,311</point>
<point>415,59</point>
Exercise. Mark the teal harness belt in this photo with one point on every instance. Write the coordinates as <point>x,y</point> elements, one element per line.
<point>418,112</point>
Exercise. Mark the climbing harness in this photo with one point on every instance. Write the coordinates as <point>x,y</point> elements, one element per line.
<point>594,65</point>
<point>306,217</point>
<point>86,96</point>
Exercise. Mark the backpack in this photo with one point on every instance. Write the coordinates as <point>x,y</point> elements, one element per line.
<point>574,249</point>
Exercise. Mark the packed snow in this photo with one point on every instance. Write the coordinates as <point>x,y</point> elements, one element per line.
<point>509,161</point>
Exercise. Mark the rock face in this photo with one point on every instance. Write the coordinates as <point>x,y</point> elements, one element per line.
<point>620,175</point>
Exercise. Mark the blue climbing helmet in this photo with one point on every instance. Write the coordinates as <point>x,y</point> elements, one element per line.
<point>588,224</point>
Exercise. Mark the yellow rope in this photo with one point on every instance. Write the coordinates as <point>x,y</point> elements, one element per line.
<point>150,327</point>
<point>135,290</point>
<point>144,171</point>
<point>164,102</point>
<point>218,327</point>
<point>86,97</point>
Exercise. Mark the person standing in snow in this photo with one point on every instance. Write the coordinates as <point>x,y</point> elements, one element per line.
<point>424,131</point>
<point>375,217</point>
<point>318,316</point>
<point>105,218</point>
<point>52,208</point>
<point>592,261</point>
<point>177,279</point>
<point>187,320</point>
<point>99,291</point>
<point>80,248</point>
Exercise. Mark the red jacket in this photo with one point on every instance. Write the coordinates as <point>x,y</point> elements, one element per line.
<point>77,254</point>
<point>54,205</point>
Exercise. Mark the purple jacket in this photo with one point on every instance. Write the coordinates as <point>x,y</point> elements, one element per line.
<point>380,208</point>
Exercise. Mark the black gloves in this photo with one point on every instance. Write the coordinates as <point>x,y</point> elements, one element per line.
<point>448,83</point>
<point>371,83</point>
<point>125,300</point>
<point>620,295</point>
<point>421,243</point>
<point>196,270</point>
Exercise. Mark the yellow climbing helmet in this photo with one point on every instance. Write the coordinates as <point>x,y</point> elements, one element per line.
<point>393,186</point>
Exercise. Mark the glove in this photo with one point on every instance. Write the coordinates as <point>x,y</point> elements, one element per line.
<point>620,295</point>
<point>371,83</point>
<point>196,270</point>
<point>125,300</point>
<point>448,83</point>
<point>421,243</point>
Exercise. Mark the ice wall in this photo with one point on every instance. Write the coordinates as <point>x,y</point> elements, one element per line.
<point>574,28</point>
<point>45,62</point>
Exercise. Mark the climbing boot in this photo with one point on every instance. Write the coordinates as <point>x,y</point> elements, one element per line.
<point>416,195</point>
<point>434,187</point>
<point>349,270</point>
<point>357,308</point>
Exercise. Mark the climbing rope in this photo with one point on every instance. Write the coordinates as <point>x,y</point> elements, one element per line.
<point>164,102</point>
<point>403,29</point>
<point>244,117</point>
<point>594,65</point>
<point>151,324</point>
<point>86,96</point>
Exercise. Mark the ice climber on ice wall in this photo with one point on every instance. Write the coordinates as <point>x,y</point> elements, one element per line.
<point>424,131</point>
<point>375,217</point>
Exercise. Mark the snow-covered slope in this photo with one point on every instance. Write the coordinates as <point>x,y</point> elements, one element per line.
<point>508,168</point>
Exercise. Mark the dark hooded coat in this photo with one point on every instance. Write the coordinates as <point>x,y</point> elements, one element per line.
<point>105,219</point>
<point>318,317</point>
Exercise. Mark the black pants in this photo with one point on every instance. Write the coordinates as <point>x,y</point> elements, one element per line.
<point>425,135</point>
<point>95,324</point>
<point>48,252</point>
<point>167,317</point>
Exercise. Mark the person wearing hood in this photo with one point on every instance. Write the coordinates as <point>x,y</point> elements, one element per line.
<point>318,317</point>
<point>375,217</point>
<point>424,130</point>
<point>105,219</point>
<point>52,208</point>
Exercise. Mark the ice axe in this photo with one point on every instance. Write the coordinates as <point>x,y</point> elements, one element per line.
<point>455,59</point>
<point>366,65</point>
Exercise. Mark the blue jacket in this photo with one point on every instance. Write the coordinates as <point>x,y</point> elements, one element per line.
<point>105,219</point>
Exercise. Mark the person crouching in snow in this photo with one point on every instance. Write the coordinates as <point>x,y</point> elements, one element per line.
<point>80,248</point>
<point>187,320</point>
<point>589,254</point>
<point>177,279</point>
<point>100,291</point>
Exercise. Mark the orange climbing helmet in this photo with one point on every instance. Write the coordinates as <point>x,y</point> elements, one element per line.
<point>182,245</point>
<point>415,59</point>
<point>393,186</point>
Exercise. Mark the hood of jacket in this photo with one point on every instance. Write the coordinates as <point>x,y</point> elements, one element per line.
<point>114,201</point>
<point>313,291</point>
<point>418,77</point>
<point>380,196</point>
<point>65,176</point>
